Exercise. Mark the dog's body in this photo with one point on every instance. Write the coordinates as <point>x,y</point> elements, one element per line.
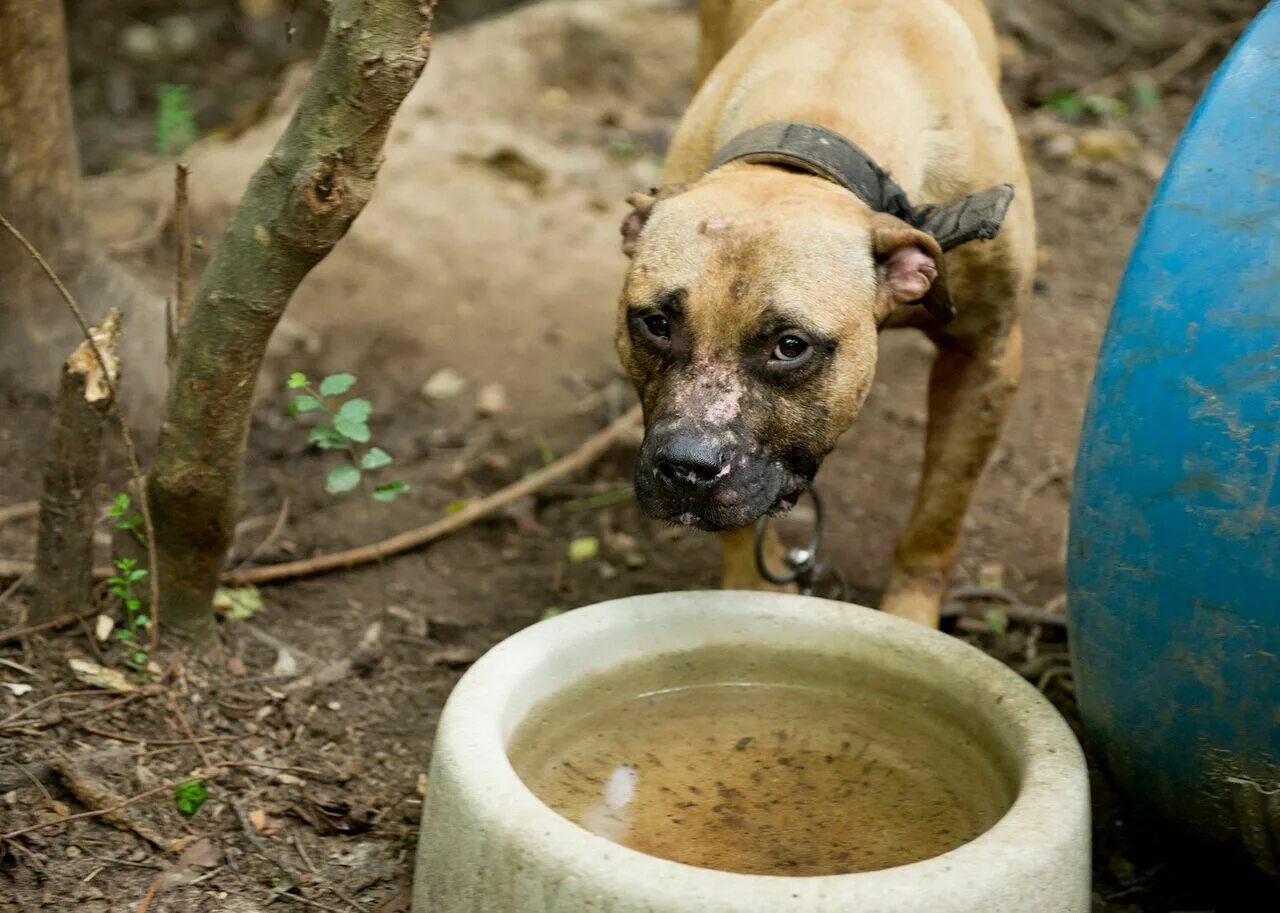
<point>750,313</point>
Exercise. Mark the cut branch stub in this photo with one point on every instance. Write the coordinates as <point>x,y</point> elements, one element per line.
<point>297,207</point>
<point>64,545</point>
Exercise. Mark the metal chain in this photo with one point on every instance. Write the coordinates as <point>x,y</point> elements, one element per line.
<point>803,567</point>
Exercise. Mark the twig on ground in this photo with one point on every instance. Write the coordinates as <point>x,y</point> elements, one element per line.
<point>277,529</point>
<point>1010,605</point>
<point>91,795</point>
<point>151,893</point>
<point>14,587</point>
<point>170,743</point>
<point>90,692</point>
<point>587,453</point>
<point>1173,66</point>
<point>20,511</point>
<point>117,407</point>
<point>191,736</point>
<point>38,785</point>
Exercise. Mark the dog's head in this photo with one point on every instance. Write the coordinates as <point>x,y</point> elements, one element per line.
<point>748,324</point>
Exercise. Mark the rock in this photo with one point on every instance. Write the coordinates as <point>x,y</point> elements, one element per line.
<point>444,384</point>
<point>491,400</point>
<point>1103,144</point>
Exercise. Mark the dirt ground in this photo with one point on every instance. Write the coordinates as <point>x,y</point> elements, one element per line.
<point>491,251</point>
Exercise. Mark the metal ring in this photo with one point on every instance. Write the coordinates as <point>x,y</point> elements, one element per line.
<point>796,571</point>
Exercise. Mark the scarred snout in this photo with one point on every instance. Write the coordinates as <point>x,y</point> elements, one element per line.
<point>712,478</point>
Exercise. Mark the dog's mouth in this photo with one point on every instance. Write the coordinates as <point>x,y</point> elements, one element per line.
<point>713,521</point>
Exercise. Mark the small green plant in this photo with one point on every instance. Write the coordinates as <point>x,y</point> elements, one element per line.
<point>124,587</point>
<point>345,427</point>
<point>175,121</point>
<point>189,795</point>
<point>124,517</point>
<point>1073,106</point>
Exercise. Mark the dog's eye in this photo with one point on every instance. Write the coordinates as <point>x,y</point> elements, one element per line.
<point>789,348</point>
<point>658,325</point>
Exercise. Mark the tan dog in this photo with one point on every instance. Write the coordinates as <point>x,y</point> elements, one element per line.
<point>750,312</point>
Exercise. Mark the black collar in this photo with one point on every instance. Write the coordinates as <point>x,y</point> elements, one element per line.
<point>829,155</point>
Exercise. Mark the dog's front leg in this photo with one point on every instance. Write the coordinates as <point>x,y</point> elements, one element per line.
<point>740,571</point>
<point>971,390</point>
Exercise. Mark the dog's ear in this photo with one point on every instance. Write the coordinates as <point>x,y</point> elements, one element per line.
<point>641,206</point>
<point>910,266</point>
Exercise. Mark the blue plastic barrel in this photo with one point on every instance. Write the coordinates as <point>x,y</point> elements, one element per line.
<point>1174,560</point>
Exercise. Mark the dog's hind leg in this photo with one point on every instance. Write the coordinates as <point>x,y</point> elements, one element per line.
<point>970,393</point>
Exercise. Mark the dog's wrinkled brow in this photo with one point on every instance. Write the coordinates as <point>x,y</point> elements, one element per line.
<point>671,302</point>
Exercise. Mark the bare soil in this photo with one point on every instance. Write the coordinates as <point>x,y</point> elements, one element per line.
<point>491,249</point>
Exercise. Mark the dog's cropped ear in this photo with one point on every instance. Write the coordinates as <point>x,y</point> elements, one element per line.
<point>641,206</point>
<point>910,267</point>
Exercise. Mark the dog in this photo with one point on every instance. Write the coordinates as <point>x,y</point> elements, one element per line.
<point>830,149</point>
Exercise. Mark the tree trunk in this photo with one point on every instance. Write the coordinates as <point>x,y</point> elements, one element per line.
<point>40,195</point>
<point>39,182</point>
<point>296,208</point>
<point>64,546</point>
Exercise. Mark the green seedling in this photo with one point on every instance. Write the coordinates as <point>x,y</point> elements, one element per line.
<point>189,795</point>
<point>124,517</point>
<point>344,426</point>
<point>1073,106</point>
<point>124,587</point>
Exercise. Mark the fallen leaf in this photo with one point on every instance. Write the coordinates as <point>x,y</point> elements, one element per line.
<point>178,844</point>
<point>239,603</point>
<point>258,818</point>
<point>204,854</point>
<point>236,667</point>
<point>97,676</point>
<point>422,785</point>
<point>17,688</point>
<point>102,627</point>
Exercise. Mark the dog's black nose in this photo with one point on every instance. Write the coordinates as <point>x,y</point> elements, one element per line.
<point>689,459</point>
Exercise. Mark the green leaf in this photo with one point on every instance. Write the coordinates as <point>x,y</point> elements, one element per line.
<point>376,458</point>
<point>997,620</point>
<point>584,548</point>
<point>456,507</point>
<point>142,621</point>
<point>390,491</point>
<point>342,479</point>
<point>122,634</point>
<point>140,660</point>
<point>189,796</point>
<point>298,381</point>
<point>120,505</point>
<point>326,438</point>
<point>306,403</point>
<point>239,603</point>
<point>357,409</point>
<point>351,419</point>
<point>337,384</point>
<point>135,576</point>
<point>352,429</point>
<point>550,613</point>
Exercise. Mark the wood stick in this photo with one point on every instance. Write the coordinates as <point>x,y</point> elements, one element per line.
<point>587,453</point>
<point>20,511</point>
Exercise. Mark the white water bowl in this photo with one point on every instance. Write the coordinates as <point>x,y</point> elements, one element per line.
<point>489,845</point>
